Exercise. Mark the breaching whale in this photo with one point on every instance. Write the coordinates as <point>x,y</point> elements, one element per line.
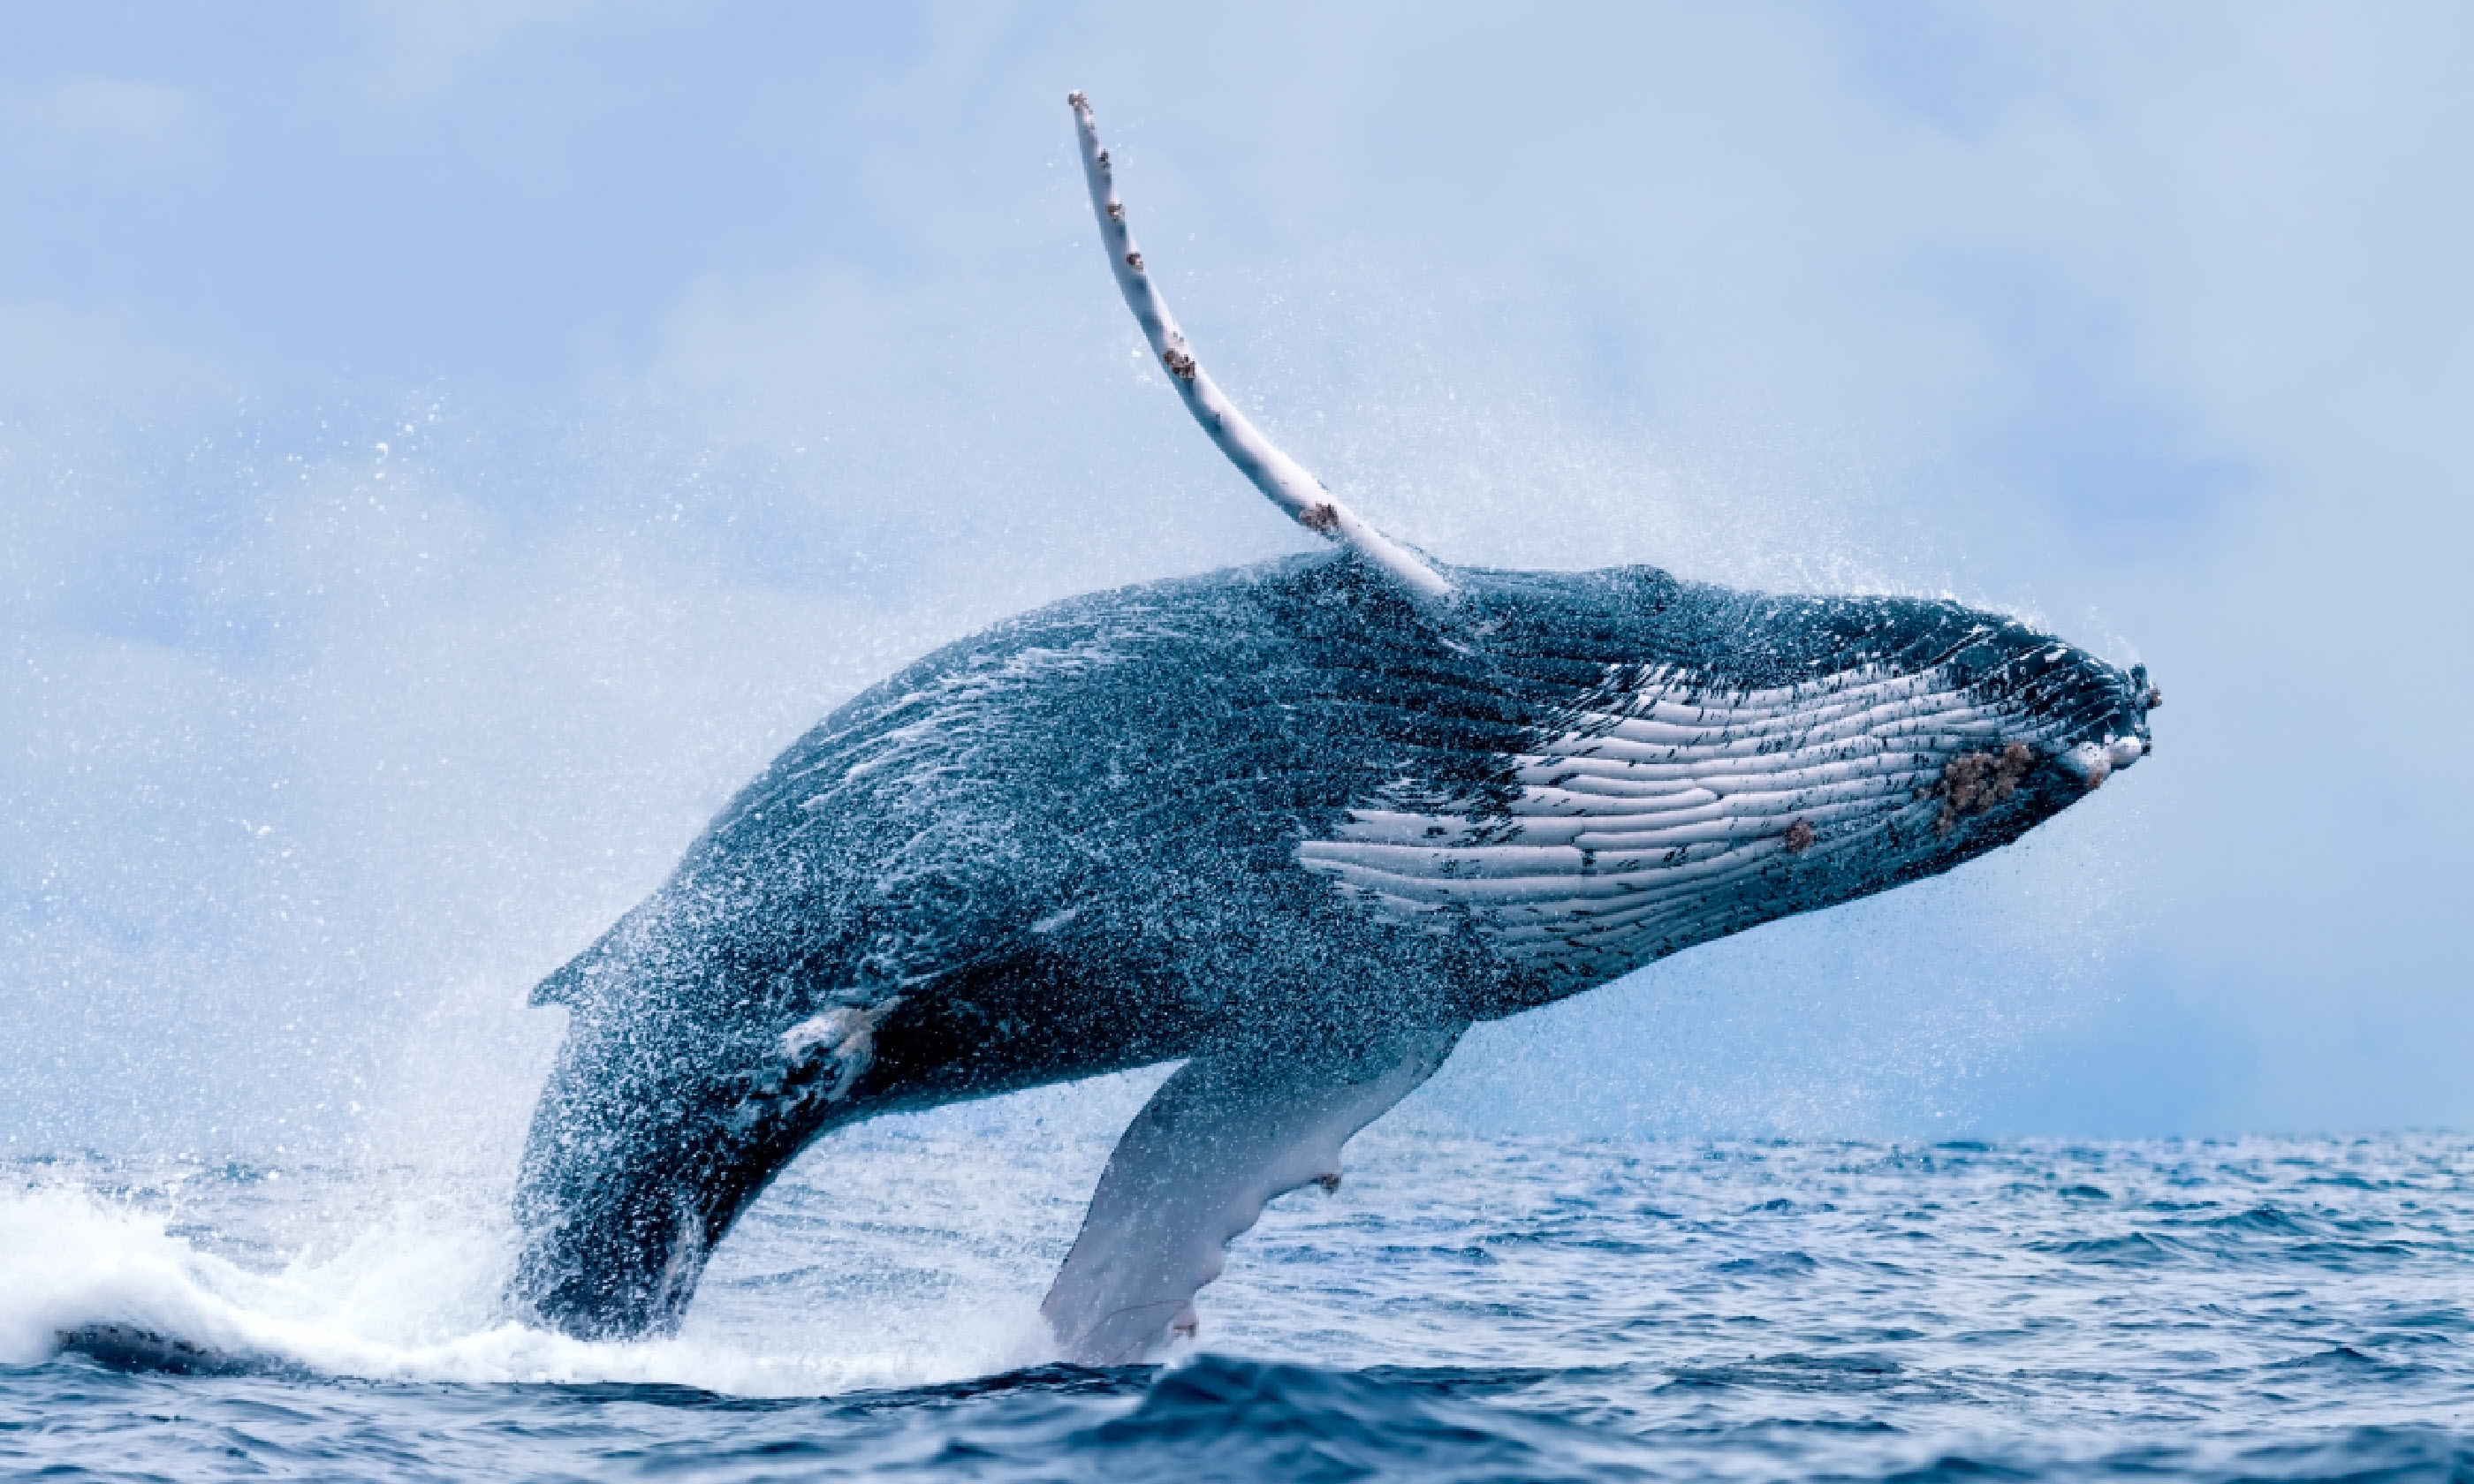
<point>1297,824</point>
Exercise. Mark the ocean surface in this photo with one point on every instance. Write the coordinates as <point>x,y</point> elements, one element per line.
<point>1462,1309</point>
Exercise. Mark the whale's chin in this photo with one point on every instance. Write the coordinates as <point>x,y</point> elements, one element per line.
<point>2089,763</point>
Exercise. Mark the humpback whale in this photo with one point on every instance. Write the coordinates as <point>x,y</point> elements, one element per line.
<point>1297,824</point>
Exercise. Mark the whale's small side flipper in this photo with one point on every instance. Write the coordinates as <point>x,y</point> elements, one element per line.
<point>1220,1139</point>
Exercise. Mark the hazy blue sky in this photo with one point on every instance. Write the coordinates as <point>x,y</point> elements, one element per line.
<point>446,448</point>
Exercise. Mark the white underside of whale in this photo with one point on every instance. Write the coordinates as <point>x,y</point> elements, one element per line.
<point>1639,828</point>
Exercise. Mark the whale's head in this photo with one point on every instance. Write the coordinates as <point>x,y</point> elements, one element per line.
<point>1843,747</point>
<point>1737,758</point>
<point>1908,737</point>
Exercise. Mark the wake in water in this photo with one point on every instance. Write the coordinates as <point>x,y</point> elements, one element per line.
<point>240,1270</point>
<point>1461,1308</point>
<point>411,1300</point>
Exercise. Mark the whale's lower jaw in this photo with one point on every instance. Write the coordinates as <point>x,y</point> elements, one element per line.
<point>1662,817</point>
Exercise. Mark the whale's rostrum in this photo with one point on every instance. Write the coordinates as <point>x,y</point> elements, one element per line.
<point>1297,824</point>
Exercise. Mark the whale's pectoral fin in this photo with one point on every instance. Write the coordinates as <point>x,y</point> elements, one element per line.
<point>1224,1135</point>
<point>1273,473</point>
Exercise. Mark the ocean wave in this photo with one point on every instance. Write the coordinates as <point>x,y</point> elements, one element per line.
<point>1462,1309</point>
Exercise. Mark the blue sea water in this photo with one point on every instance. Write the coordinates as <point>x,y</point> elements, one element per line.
<point>1462,1309</point>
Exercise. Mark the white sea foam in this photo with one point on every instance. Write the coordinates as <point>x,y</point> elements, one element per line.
<point>906,1251</point>
<point>415,1299</point>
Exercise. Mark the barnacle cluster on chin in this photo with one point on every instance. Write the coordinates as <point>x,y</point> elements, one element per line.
<point>1974,782</point>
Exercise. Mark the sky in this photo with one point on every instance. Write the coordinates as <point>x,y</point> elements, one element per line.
<point>446,448</point>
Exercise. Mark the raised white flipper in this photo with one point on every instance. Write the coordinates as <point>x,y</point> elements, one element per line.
<point>1281,478</point>
<point>1217,1142</point>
